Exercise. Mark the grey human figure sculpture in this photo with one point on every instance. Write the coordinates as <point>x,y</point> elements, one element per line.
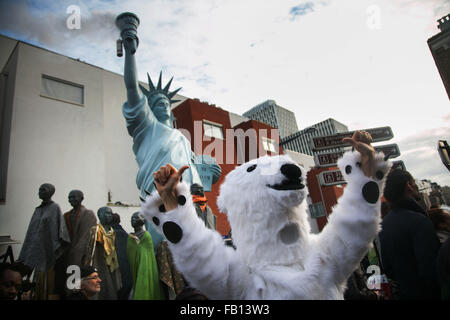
<point>105,215</point>
<point>124,265</point>
<point>46,240</point>
<point>138,222</point>
<point>46,192</point>
<point>149,120</point>
<point>75,198</point>
<point>79,221</point>
<point>102,254</point>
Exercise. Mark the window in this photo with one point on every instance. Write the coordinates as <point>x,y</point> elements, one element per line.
<point>213,130</point>
<point>62,90</point>
<point>269,144</point>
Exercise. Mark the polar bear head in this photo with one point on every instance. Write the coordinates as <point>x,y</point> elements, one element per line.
<point>265,196</point>
<point>263,184</point>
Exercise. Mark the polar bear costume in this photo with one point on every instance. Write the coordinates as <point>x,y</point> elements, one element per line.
<point>276,256</point>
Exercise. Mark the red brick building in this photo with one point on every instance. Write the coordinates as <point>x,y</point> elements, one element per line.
<point>211,132</point>
<point>325,195</point>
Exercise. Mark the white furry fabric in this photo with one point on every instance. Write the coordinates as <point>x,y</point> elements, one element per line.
<point>277,257</point>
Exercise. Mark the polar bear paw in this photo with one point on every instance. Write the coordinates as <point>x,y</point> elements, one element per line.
<point>169,223</point>
<point>371,188</point>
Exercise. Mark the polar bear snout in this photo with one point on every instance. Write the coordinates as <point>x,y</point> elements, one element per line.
<point>292,178</point>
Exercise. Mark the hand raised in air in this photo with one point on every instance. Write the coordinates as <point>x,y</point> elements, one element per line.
<point>166,181</point>
<point>361,142</point>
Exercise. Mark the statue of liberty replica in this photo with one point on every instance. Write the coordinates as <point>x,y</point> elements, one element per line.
<point>149,120</point>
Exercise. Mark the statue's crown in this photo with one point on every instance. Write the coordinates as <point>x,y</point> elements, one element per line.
<point>153,91</point>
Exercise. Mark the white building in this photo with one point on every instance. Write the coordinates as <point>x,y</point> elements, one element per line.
<point>61,123</point>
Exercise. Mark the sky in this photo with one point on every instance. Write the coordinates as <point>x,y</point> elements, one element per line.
<point>364,63</point>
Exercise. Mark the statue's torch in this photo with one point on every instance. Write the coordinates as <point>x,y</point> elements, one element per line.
<point>127,23</point>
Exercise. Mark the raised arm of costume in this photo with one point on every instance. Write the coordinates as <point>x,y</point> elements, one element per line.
<point>216,270</point>
<point>355,220</point>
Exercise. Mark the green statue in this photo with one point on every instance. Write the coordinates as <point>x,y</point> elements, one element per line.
<point>143,265</point>
<point>150,122</point>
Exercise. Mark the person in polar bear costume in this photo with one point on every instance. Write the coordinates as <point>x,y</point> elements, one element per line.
<point>276,256</point>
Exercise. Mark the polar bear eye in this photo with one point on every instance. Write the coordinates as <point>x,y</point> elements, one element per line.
<point>251,168</point>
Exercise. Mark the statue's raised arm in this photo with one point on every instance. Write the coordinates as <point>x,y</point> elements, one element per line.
<point>158,99</point>
<point>127,23</point>
<point>130,73</point>
<point>149,117</point>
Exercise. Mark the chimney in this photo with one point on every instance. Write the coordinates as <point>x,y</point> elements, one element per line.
<point>444,23</point>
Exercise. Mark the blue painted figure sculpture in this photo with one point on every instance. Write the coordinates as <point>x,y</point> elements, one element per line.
<point>102,254</point>
<point>149,119</point>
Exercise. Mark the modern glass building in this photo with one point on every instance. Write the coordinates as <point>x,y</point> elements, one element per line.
<point>301,140</point>
<point>275,116</point>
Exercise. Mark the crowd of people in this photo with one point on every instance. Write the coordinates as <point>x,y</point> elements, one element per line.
<point>412,252</point>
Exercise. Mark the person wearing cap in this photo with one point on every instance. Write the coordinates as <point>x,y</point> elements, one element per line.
<point>89,286</point>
